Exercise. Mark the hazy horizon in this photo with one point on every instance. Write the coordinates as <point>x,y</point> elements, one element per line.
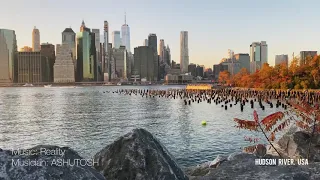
<point>213,26</point>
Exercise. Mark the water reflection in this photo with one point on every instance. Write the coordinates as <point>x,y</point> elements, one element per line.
<point>87,119</point>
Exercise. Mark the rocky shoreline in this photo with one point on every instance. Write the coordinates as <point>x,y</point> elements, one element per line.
<point>140,155</point>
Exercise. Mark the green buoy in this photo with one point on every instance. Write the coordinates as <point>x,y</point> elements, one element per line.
<point>204,123</point>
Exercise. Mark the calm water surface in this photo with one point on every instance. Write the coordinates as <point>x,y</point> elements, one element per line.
<point>87,120</point>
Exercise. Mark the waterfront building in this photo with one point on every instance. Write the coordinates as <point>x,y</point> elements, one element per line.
<point>217,68</point>
<point>200,70</point>
<point>233,65</point>
<point>304,55</point>
<point>8,56</point>
<point>167,55</point>
<point>152,43</point>
<point>48,52</point>
<point>31,67</point>
<point>125,34</point>
<point>184,52</point>
<point>178,79</point>
<point>145,42</point>
<point>282,59</point>
<point>69,37</point>
<point>26,49</point>
<point>192,68</point>
<point>122,64</point>
<point>258,55</point>
<point>244,61</point>
<point>161,50</point>
<point>96,33</point>
<point>106,56</point>
<point>116,39</point>
<point>35,40</point>
<point>64,65</point>
<point>144,63</point>
<point>86,55</point>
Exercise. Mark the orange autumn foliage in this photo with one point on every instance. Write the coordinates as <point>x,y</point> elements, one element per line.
<point>281,76</point>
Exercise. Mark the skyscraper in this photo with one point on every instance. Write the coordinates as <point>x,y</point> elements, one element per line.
<point>35,39</point>
<point>86,53</point>
<point>304,55</point>
<point>161,50</point>
<point>280,59</point>
<point>184,52</point>
<point>144,60</point>
<point>125,34</point>
<point>145,42</point>
<point>258,55</point>
<point>105,63</point>
<point>48,51</point>
<point>64,67</point>
<point>8,57</point>
<point>96,33</point>
<point>116,40</point>
<point>152,43</point>
<point>69,37</point>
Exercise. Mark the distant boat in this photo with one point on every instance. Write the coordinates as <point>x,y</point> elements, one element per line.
<point>28,85</point>
<point>150,83</point>
<point>47,86</point>
<point>119,84</point>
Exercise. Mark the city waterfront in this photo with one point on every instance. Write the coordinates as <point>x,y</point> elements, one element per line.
<point>87,119</point>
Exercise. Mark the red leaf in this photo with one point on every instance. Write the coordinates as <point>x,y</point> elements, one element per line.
<point>255,115</point>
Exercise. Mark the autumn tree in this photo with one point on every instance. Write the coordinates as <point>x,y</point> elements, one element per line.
<point>224,77</point>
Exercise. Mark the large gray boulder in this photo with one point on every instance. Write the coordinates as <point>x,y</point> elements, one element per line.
<point>297,145</point>
<point>137,155</point>
<point>46,163</point>
<point>242,166</point>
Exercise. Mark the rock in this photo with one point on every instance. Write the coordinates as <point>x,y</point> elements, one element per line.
<point>199,170</point>
<point>38,163</point>
<point>242,166</point>
<point>217,161</point>
<point>137,155</point>
<point>260,150</point>
<point>297,145</point>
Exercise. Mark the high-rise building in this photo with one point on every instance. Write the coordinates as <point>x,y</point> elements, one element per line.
<point>63,66</point>
<point>125,35</point>
<point>258,55</point>
<point>192,68</point>
<point>217,68</point>
<point>69,37</point>
<point>48,52</point>
<point>200,70</point>
<point>122,64</point>
<point>116,39</point>
<point>304,55</point>
<point>31,67</point>
<point>8,56</point>
<point>96,33</point>
<point>26,49</point>
<point>167,55</point>
<point>35,40</point>
<point>152,43</point>
<point>230,53</point>
<point>161,50</point>
<point>105,62</point>
<point>86,55</point>
<point>144,63</point>
<point>280,59</point>
<point>145,42</point>
<point>244,60</point>
<point>184,52</point>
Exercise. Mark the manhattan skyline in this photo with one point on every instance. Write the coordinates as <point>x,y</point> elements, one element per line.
<point>213,26</point>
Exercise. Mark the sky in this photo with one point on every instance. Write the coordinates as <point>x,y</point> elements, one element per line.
<point>214,26</point>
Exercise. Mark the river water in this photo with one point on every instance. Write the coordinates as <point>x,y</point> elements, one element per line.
<point>86,119</point>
